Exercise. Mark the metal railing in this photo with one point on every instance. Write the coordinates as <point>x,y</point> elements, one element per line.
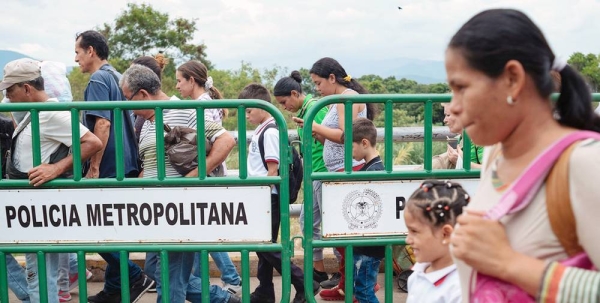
<point>388,174</point>
<point>285,247</point>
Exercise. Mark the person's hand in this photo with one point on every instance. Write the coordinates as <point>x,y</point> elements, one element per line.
<point>482,244</point>
<point>43,173</point>
<point>93,173</point>
<point>452,154</point>
<point>299,121</point>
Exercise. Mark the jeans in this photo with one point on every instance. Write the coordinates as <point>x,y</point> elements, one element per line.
<point>150,268</point>
<point>112,275</point>
<point>182,284</point>
<point>267,261</point>
<point>16,279</point>
<point>317,202</point>
<point>229,274</point>
<point>33,286</point>
<point>365,277</point>
<point>67,266</point>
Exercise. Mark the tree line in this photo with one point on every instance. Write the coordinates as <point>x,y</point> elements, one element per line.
<point>140,30</point>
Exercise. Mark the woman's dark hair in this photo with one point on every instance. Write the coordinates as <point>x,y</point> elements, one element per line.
<point>286,85</point>
<point>156,64</point>
<point>493,37</point>
<point>329,66</point>
<point>96,40</point>
<point>439,202</point>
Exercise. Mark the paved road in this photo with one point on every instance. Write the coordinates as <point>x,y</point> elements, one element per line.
<point>95,287</point>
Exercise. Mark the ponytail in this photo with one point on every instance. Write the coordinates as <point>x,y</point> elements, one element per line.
<point>215,94</point>
<point>574,104</point>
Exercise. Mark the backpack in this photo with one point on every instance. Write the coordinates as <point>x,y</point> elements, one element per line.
<point>6,131</point>
<point>296,169</point>
<point>60,153</point>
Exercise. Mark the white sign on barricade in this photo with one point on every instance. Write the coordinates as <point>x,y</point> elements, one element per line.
<point>353,209</point>
<point>171,214</point>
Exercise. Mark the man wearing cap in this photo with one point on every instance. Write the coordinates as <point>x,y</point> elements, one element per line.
<point>24,83</point>
<point>91,53</point>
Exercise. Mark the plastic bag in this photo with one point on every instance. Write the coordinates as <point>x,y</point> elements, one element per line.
<point>181,148</point>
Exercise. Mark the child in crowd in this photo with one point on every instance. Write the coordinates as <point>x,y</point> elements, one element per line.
<point>366,258</point>
<point>268,166</point>
<point>430,216</point>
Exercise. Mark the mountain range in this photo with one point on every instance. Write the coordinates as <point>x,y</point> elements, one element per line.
<point>421,71</point>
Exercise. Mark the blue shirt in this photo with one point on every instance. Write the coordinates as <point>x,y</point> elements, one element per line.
<point>104,86</point>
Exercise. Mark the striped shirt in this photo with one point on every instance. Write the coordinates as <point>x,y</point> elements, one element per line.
<point>569,284</point>
<point>173,117</point>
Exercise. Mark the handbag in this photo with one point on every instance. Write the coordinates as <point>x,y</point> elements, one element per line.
<point>553,163</point>
<point>182,150</point>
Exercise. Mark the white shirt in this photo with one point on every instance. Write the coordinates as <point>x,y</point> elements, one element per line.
<point>422,286</point>
<point>212,114</point>
<point>271,148</point>
<point>55,129</point>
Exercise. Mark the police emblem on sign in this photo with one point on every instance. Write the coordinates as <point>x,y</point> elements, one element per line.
<point>362,209</point>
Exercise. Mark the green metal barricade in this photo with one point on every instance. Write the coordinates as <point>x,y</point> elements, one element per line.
<point>388,174</point>
<point>243,180</point>
<point>286,245</point>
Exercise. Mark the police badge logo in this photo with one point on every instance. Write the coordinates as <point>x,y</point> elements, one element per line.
<point>362,209</point>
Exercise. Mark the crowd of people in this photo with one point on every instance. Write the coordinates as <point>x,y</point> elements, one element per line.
<point>523,236</point>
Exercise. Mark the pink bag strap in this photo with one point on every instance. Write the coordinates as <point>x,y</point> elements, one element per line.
<point>521,192</point>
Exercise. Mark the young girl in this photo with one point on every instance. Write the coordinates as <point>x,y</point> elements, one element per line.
<point>193,81</point>
<point>430,216</point>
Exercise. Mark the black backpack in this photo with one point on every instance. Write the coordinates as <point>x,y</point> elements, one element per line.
<point>296,168</point>
<point>6,131</point>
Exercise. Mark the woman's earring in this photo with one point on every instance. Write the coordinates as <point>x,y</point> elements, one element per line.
<point>510,100</point>
<point>444,242</point>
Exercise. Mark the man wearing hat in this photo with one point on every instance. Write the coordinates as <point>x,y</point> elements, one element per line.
<point>23,82</point>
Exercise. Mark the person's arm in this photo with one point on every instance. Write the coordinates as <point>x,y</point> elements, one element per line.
<point>483,245</point>
<point>98,90</point>
<point>102,131</point>
<point>43,173</point>
<point>569,284</point>
<point>273,168</point>
<point>335,134</point>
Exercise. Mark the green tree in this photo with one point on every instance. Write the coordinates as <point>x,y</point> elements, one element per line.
<point>589,66</point>
<point>308,87</point>
<point>141,30</point>
<point>78,82</point>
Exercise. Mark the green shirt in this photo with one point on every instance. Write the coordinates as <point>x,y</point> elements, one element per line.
<point>476,152</point>
<point>318,165</point>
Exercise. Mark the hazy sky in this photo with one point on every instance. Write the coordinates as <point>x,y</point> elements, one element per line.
<point>296,33</point>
